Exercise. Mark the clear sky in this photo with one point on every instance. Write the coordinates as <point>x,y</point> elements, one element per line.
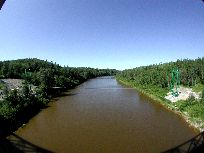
<point>117,34</point>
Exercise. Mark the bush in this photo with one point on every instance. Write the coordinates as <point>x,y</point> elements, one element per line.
<point>191,98</point>
<point>196,110</point>
<point>7,111</point>
<point>202,95</point>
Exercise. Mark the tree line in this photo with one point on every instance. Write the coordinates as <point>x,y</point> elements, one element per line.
<point>37,71</point>
<point>191,73</point>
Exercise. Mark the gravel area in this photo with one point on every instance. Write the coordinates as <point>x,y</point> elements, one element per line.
<point>12,83</point>
<point>184,94</point>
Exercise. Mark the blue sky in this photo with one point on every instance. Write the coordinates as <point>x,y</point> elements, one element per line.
<point>117,34</point>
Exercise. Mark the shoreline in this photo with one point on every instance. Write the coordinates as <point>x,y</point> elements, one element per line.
<point>11,126</point>
<point>195,125</point>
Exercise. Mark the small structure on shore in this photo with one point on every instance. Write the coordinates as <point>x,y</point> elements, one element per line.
<point>184,94</point>
<point>174,82</point>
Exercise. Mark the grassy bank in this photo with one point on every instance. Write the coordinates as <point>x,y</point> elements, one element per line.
<point>191,110</point>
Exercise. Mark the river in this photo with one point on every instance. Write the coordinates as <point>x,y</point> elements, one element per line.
<point>103,116</point>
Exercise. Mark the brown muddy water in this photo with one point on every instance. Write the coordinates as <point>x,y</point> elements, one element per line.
<point>103,116</point>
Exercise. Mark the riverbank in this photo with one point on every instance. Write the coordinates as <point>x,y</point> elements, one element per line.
<point>27,85</point>
<point>192,111</point>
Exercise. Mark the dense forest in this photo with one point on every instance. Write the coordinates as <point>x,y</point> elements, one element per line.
<point>48,78</point>
<point>38,72</point>
<point>154,80</point>
<point>158,76</point>
<point>192,73</point>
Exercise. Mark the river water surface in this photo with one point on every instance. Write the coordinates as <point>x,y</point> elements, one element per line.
<point>103,116</point>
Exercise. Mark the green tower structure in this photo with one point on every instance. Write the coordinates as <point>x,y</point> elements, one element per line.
<point>174,82</point>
